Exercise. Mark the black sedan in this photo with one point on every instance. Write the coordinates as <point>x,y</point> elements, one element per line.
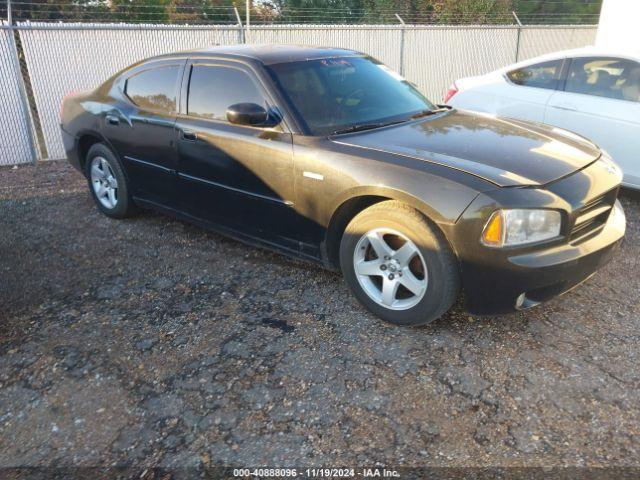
<point>329,155</point>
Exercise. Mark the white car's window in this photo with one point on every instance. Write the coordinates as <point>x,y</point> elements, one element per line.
<point>540,75</point>
<point>605,77</point>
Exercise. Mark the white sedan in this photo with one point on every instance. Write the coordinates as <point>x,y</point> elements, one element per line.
<point>590,91</point>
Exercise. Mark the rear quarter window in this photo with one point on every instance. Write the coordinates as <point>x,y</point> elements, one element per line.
<point>539,75</point>
<point>154,89</point>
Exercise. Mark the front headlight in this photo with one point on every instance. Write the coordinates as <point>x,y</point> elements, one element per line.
<point>508,228</point>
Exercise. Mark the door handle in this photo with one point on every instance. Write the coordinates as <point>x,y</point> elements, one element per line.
<point>568,108</point>
<point>112,120</point>
<point>189,135</point>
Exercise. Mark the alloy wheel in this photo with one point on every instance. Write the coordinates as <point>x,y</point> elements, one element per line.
<point>390,269</point>
<point>104,182</point>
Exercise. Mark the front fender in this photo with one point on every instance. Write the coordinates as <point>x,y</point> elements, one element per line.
<point>443,207</point>
<point>346,172</point>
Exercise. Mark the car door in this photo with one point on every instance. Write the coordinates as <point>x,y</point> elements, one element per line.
<point>235,175</point>
<point>600,101</point>
<point>141,128</point>
<point>526,90</point>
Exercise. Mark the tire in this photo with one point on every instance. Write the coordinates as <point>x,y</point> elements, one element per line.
<point>107,182</point>
<point>419,257</point>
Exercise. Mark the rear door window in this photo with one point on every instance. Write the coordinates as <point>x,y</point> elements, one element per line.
<point>155,89</point>
<point>539,75</point>
<point>605,77</point>
<point>213,89</point>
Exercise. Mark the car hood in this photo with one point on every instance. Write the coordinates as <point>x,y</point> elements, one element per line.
<point>503,151</point>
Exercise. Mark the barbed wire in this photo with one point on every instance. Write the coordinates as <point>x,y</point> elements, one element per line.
<point>98,5</point>
<point>98,12</point>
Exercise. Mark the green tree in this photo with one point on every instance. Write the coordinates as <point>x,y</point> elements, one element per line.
<point>203,11</point>
<point>475,11</point>
<point>57,10</point>
<point>567,11</point>
<point>437,11</point>
<point>138,11</point>
<point>318,11</point>
<point>313,11</point>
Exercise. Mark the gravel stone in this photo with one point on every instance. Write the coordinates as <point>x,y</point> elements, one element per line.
<point>145,344</point>
<point>163,406</point>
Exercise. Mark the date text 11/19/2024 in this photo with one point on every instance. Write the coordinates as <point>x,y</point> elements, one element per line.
<point>316,473</point>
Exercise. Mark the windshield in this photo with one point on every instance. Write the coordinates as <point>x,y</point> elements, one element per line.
<point>333,94</point>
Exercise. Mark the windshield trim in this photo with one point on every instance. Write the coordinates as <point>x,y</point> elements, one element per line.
<point>418,115</point>
<point>406,121</point>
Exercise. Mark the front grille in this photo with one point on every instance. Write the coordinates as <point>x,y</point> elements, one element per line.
<point>592,216</point>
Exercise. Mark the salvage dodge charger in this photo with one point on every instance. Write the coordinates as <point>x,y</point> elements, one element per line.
<point>329,155</point>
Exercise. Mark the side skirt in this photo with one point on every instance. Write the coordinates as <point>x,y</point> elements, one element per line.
<point>227,232</point>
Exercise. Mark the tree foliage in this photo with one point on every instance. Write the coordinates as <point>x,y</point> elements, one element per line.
<point>311,11</point>
<point>569,11</point>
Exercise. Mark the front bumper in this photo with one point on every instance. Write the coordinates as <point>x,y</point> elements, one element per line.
<point>523,280</point>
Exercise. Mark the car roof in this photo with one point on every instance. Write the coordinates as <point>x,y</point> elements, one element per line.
<point>268,54</point>
<point>631,54</point>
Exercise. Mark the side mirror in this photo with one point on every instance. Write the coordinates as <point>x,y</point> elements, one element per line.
<point>247,114</point>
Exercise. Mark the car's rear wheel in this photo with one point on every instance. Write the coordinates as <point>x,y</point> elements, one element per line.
<point>107,182</point>
<point>399,265</point>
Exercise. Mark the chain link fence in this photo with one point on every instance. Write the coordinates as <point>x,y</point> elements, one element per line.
<point>65,58</point>
<point>51,60</point>
<point>535,41</point>
<point>16,135</point>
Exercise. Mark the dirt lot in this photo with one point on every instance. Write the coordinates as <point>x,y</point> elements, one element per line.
<point>151,342</point>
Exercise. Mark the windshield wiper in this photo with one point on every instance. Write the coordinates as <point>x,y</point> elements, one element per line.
<point>364,126</point>
<point>426,113</point>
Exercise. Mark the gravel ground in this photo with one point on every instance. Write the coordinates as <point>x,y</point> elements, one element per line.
<point>151,342</point>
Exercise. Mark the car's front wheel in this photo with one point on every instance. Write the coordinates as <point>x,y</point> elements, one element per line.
<point>399,265</point>
<point>107,182</point>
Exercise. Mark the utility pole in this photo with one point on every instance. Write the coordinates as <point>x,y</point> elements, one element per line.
<point>9,14</point>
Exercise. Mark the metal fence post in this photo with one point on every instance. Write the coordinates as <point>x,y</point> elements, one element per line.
<point>401,44</point>
<point>248,21</point>
<point>240,27</point>
<point>518,37</point>
<point>24,100</point>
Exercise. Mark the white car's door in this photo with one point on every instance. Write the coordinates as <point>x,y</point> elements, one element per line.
<point>600,101</point>
<point>528,89</point>
<point>520,93</point>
